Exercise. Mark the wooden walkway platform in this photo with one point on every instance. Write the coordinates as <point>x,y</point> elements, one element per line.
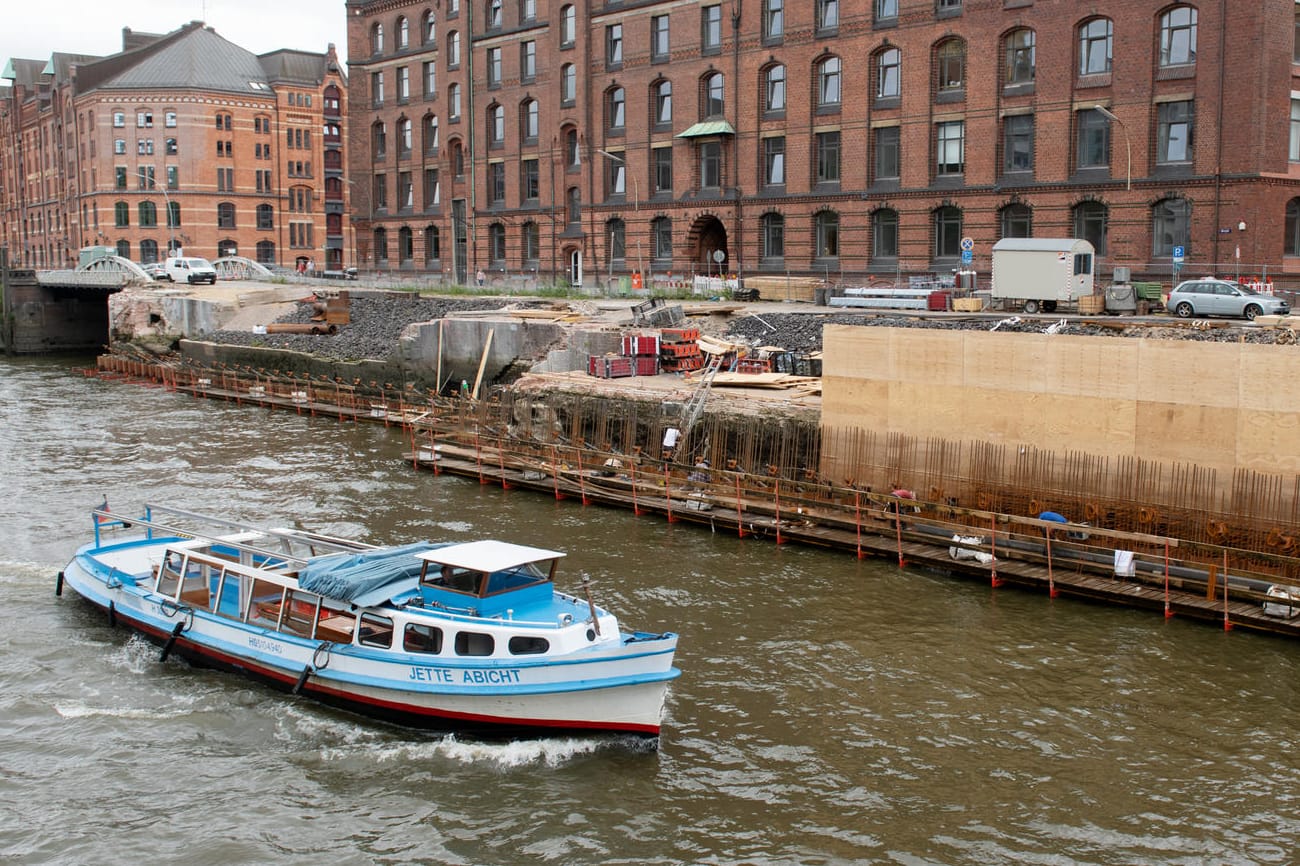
<point>1034,555</point>
<point>874,533</point>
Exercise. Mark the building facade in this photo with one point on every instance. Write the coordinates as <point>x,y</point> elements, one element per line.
<point>845,139</point>
<point>182,140</point>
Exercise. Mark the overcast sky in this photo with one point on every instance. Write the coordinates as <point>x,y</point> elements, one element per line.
<point>95,26</point>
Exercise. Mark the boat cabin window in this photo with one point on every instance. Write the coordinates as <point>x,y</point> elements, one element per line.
<point>527,645</point>
<point>473,643</point>
<point>456,579</point>
<point>337,626</point>
<point>226,594</point>
<point>375,631</point>
<point>422,639</point>
<point>264,602</point>
<point>169,573</point>
<point>479,583</point>
<point>524,575</point>
<point>298,613</point>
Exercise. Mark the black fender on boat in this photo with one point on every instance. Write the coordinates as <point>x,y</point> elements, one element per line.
<point>112,615</point>
<point>302,679</point>
<point>58,585</point>
<point>171,640</point>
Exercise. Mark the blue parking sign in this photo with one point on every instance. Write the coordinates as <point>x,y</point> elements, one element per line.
<point>966,257</point>
<point>1178,253</point>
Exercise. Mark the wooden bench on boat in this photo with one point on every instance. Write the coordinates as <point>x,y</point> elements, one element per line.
<point>332,626</point>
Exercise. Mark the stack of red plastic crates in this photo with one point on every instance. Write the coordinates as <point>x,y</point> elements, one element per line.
<point>679,350</point>
<point>610,366</point>
<point>643,350</point>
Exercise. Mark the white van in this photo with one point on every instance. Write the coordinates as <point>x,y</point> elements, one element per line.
<point>190,269</point>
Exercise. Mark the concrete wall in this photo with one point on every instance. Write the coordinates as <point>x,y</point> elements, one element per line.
<point>455,345</point>
<point>517,345</point>
<point>40,319</point>
<point>1218,406</point>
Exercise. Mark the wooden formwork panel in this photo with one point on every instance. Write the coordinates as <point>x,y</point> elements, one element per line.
<point>1221,406</point>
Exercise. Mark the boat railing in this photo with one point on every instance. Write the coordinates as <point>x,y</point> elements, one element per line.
<point>295,548</point>
<point>504,618</point>
<point>288,536</point>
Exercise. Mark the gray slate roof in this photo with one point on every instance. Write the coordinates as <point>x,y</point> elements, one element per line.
<point>294,67</point>
<point>24,72</point>
<point>191,58</point>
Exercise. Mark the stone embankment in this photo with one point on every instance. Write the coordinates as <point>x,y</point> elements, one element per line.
<point>803,331</point>
<point>378,320</point>
<point>376,324</point>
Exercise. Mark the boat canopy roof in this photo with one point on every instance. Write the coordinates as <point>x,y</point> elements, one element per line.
<point>488,556</point>
<point>352,576</point>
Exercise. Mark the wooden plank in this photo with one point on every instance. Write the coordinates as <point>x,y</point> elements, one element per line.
<point>482,362</point>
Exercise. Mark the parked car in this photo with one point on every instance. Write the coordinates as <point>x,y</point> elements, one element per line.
<point>155,270</point>
<point>1211,297</point>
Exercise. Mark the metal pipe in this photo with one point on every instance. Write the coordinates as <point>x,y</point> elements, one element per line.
<point>1128,145</point>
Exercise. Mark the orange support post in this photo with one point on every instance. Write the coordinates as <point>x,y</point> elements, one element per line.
<point>1227,623</point>
<point>555,473</point>
<point>740,512</point>
<point>779,539</point>
<point>636,508</point>
<point>501,462</point>
<point>857,519</point>
<point>668,493</point>
<point>994,580</point>
<point>898,530</point>
<point>1168,612</point>
<point>582,479</point>
<point>478,458</point>
<point>1051,581</point>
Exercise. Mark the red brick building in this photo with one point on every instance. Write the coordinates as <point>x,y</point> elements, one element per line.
<point>180,139</point>
<point>824,136</point>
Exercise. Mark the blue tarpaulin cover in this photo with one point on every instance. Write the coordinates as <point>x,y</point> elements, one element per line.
<point>348,576</point>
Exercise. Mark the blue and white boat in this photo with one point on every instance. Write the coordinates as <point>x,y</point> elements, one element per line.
<point>467,636</point>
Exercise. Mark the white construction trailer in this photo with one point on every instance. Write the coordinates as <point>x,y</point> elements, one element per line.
<point>1038,274</point>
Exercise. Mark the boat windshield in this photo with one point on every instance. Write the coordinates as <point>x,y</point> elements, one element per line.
<point>482,583</point>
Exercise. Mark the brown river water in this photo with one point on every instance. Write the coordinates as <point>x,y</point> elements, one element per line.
<point>830,711</point>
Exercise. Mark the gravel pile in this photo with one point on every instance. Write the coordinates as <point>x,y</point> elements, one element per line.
<point>376,324</point>
<point>802,332</point>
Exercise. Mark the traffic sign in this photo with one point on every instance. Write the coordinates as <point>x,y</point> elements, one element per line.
<point>966,257</point>
<point>967,244</point>
<point>1178,254</point>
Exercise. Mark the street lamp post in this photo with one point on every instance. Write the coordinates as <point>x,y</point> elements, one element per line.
<point>171,226</point>
<point>636,202</point>
<point>1241,227</point>
<point>1128,146</point>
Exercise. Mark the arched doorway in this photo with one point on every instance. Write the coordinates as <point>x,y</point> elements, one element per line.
<point>708,236</point>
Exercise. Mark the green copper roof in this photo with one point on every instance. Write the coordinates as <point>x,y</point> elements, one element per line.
<point>708,127</point>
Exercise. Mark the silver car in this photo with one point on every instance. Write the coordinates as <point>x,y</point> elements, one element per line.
<point>1211,297</point>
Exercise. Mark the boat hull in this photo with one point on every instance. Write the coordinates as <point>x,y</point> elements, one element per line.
<point>612,691</point>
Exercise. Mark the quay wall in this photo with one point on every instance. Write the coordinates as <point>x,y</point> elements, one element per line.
<point>40,319</point>
<point>1220,410</point>
<point>453,346</point>
<point>519,345</point>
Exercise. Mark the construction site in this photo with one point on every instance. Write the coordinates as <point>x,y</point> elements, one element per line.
<point>1146,464</point>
